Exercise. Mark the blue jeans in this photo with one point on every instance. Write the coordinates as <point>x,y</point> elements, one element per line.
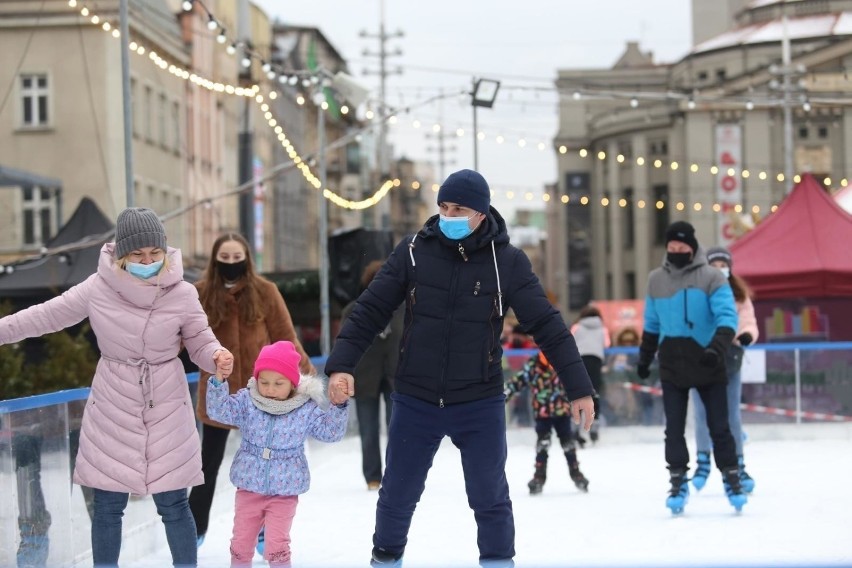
<point>172,506</point>
<point>735,421</point>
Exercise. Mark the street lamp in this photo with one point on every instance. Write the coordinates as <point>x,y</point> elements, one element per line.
<point>483,95</point>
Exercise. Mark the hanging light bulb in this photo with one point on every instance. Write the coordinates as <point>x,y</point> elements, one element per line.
<point>187,5</point>
<point>634,102</point>
<point>231,49</point>
<point>749,105</point>
<point>691,104</point>
<point>212,24</point>
<point>221,38</point>
<point>806,106</point>
<point>267,67</point>
<point>246,61</point>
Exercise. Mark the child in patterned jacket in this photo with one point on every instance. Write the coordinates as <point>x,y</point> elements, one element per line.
<point>275,413</point>
<point>551,411</point>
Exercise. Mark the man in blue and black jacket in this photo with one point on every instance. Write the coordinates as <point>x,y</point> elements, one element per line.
<point>691,318</point>
<point>457,277</point>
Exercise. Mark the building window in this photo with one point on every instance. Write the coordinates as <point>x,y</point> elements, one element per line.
<point>149,111</point>
<point>702,76</point>
<point>39,215</point>
<point>162,109</point>
<point>661,214</point>
<point>176,125</point>
<point>628,219</point>
<point>822,132</point>
<point>720,75</point>
<point>629,284</point>
<point>803,132</point>
<point>34,98</point>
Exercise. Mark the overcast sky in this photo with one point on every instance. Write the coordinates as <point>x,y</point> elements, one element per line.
<point>522,44</point>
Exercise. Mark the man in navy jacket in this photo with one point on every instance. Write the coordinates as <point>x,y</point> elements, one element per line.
<point>457,276</point>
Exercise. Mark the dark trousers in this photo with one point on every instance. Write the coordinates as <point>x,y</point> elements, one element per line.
<point>213,441</point>
<point>715,399</point>
<point>478,430</point>
<point>368,410</point>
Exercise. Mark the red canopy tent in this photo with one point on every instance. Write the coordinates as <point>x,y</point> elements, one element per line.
<point>801,250</point>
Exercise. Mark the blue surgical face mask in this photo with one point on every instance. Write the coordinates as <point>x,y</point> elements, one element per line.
<point>455,228</point>
<point>726,271</point>
<point>144,271</point>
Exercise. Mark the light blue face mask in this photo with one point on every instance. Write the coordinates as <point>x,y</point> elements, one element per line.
<point>144,271</point>
<point>726,271</point>
<point>455,228</point>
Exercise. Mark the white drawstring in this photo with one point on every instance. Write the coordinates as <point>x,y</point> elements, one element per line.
<point>411,250</point>
<point>496,271</point>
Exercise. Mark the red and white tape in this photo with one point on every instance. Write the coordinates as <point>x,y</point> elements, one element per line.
<point>824,416</point>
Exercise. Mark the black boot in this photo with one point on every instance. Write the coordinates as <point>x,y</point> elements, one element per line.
<point>536,484</point>
<point>574,470</point>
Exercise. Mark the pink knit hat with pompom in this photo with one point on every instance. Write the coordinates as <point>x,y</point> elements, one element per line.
<point>281,357</point>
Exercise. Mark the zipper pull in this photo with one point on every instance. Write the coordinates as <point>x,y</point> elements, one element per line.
<point>440,403</point>
<point>413,297</point>
<point>461,251</point>
<point>476,288</point>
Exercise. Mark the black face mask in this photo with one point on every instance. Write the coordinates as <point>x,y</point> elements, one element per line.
<point>679,259</point>
<point>231,270</point>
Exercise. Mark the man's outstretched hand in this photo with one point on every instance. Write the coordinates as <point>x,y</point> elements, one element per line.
<point>587,406</point>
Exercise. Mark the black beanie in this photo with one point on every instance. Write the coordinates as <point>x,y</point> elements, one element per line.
<point>138,227</point>
<point>720,253</point>
<point>467,188</point>
<point>683,232</point>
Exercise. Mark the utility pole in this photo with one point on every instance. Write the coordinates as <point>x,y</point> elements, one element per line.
<point>441,137</point>
<point>124,29</point>
<point>789,86</point>
<point>325,314</point>
<point>245,141</point>
<point>382,162</point>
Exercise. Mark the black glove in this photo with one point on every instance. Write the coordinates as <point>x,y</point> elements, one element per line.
<point>745,339</point>
<point>709,358</point>
<point>596,400</point>
<point>647,350</point>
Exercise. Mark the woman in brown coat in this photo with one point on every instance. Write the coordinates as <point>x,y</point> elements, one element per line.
<point>246,312</point>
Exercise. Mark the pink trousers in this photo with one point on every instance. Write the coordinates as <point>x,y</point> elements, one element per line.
<point>253,511</point>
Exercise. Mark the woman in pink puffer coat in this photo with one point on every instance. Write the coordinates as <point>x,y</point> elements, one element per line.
<point>138,434</point>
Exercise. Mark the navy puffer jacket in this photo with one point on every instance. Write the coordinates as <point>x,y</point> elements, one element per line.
<point>450,348</point>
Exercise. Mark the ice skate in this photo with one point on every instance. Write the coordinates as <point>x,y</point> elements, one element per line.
<point>679,491</point>
<point>734,489</point>
<point>702,471</point>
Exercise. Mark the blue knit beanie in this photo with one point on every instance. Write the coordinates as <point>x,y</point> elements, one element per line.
<point>467,188</point>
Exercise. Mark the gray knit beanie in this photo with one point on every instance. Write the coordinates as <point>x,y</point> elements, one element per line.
<point>138,227</point>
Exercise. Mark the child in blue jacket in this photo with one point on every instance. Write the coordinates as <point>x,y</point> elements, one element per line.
<point>275,413</point>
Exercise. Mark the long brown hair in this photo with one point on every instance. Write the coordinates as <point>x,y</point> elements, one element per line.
<point>740,288</point>
<point>213,293</point>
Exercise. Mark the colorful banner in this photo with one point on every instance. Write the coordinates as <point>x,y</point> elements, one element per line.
<point>729,190</point>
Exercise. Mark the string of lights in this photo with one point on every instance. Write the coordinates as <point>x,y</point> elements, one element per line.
<point>392,118</point>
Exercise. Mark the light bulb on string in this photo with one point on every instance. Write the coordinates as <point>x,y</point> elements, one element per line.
<point>221,38</point>
<point>187,5</point>
<point>246,61</point>
<point>212,24</point>
<point>266,67</point>
<point>634,102</point>
<point>231,49</point>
